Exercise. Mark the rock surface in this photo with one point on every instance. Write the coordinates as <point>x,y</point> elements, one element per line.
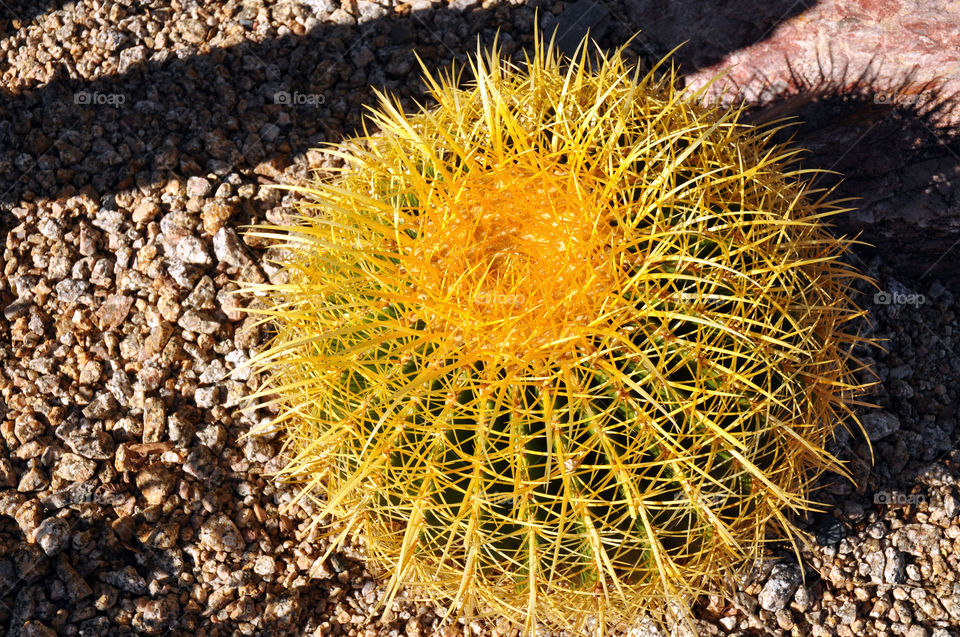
<point>873,85</point>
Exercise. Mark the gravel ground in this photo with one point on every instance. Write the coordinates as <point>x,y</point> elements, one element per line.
<point>134,142</point>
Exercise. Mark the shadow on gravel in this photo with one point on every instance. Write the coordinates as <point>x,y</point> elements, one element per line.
<point>226,110</point>
<point>229,109</point>
<point>242,103</point>
<point>897,156</point>
<point>17,13</point>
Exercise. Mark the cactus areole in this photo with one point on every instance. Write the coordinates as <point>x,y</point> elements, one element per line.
<point>566,347</point>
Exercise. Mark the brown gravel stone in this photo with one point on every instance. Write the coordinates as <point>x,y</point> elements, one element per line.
<point>10,502</point>
<point>8,475</point>
<point>96,445</point>
<point>154,420</point>
<point>199,322</point>
<point>125,459</point>
<point>34,479</point>
<point>162,536</point>
<point>77,587</point>
<point>215,215</point>
<point>53,535</point>
<point>113,311</point>
<point>147,210</point>
<point>28,427</point>
<point>29,515</point>
<point>155,482</point>
<point>221,534</point>
<point>74,468</point>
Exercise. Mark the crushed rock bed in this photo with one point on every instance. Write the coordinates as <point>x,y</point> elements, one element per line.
<point>135,139</point>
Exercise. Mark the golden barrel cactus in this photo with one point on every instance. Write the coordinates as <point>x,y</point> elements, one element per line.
<point>567,345</point>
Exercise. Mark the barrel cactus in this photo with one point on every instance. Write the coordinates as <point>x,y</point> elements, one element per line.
<point>566,347</point>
